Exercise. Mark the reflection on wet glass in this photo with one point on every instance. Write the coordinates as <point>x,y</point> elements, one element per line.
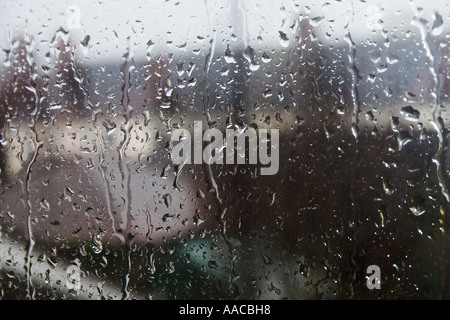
<point>349,98</point>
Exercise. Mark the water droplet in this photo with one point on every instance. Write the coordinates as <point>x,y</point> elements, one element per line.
<point>213,265</point>
<point>168,217</point>
<point>410,113</point>
<point>229,56</point>
<point>438,25</point>
<point>284,40</point>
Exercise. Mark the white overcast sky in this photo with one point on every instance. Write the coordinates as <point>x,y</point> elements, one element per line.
<point>113,24</point>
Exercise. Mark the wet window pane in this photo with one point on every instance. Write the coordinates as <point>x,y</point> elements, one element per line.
<point>224,149</point>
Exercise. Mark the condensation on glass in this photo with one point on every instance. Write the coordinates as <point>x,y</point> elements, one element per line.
<point>93,207</point>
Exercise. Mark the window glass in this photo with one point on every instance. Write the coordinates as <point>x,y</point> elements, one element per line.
<point>224,149</point>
